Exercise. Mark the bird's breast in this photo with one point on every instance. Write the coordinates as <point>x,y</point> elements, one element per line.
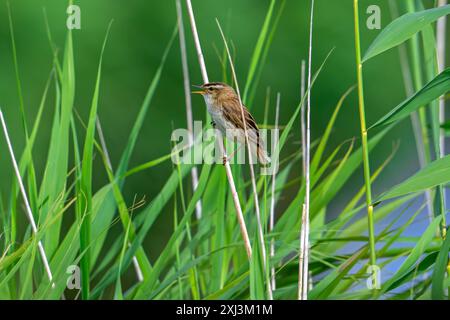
<point>216,114</point>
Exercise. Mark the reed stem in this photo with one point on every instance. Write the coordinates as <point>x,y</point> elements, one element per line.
<point>230,178</point>
<point>137,268</point>
<point>441,35</point>
<point>26,202</point>
<point>365,149</point>
<point>306,127</point>
<point>417,121</point>
<point>302,116</point>
<point>272,202</point>
<point>252,171</point>
<point>187,97</point>
<point>441,51</point>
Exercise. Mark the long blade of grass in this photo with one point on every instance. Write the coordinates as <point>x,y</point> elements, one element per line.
<point>16,69</point>
<point>431,71</point>
<point>145,288</point>
<point>187,95</point>
<point>54,181</point>
<point>25,197</point>
<point>84,198</point>
<point>324,139</point>
<point>305,217</point>
<point>230,178</point>
<point>108,207</point>
<point>441,266</point>
<point>430,92</point>
<point>146,219</point>
<point>403,28</point>
<point>254,61</point>
<point>273,195</point>
<point>424,241</point>
<point>441,43</point>
<point>434,174</point>
<point>263,58</point>
<point>260,231</point>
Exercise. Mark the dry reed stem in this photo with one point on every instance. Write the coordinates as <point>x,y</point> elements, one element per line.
<point>187,97</point>
<point>137,268</point>
<point>301,257</point>
<point>272,203</point>
<point>230,178</point>
<point>305,217</point>
<point>25,200</point>
<point>415,121</point>
<point>250,156</point>
<point>302,117</point>
<point>441,51</point>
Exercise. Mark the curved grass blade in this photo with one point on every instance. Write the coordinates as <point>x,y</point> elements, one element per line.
<point>263,59</point>
<point>108,207</point>
<point>326,286</point>
<point>403,28</point>
<point>410,262</point>
<point>54,180</point>
<point>438,279</point>
<point>323,141</point>
<point>146,218</point>
<point>254,62</point>
<point>289,125</point>
<point>84,198</point>
<point>434,174</point>
<point>432,70</point>
<point>430,92</point>
<point>147,286</point>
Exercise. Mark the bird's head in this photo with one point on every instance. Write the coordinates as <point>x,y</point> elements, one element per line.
<point>215,90</point>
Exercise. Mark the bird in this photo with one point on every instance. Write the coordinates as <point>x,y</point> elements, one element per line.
<point>224,106</point>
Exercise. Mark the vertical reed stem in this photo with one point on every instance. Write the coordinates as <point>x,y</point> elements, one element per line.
<point>302,117</point>
<point>304,233</point>
<point>272,203</point>
<point>137,268</point>
<point>365,148</point>
<point>252,171</point>
<point>415,120</point>
<point>187,97</point>
<point>441,50</point>
<point>301,256</point>
<point>230,178</point>
<point>25,200</point>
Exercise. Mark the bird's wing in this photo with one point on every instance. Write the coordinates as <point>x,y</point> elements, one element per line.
<point>232,113</point>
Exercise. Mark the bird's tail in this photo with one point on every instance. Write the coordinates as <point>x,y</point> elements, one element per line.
<point>263,158</point>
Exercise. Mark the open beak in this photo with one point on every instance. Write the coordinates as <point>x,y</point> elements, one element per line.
<point>202,92</point>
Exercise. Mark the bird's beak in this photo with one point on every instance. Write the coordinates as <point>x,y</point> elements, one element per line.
<point>202,92</point>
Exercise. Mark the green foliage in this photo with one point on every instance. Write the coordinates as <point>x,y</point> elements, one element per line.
<point>434,174</point>
<point>430,92</point>
<point>206,259</point>
<point>403,28</point>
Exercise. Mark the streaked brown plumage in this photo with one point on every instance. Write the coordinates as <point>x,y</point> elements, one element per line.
<point>225,110</point>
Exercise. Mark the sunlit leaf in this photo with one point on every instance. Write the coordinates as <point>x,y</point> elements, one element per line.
<point>403,28</point>
<point>431,91</point>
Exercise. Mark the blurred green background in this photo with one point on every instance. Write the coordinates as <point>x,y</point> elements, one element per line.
<point>139,34</point>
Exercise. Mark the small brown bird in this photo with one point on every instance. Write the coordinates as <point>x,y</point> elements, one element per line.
<point>225,110</point>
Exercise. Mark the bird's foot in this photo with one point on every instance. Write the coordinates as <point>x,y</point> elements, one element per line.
<point>224,160</point>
